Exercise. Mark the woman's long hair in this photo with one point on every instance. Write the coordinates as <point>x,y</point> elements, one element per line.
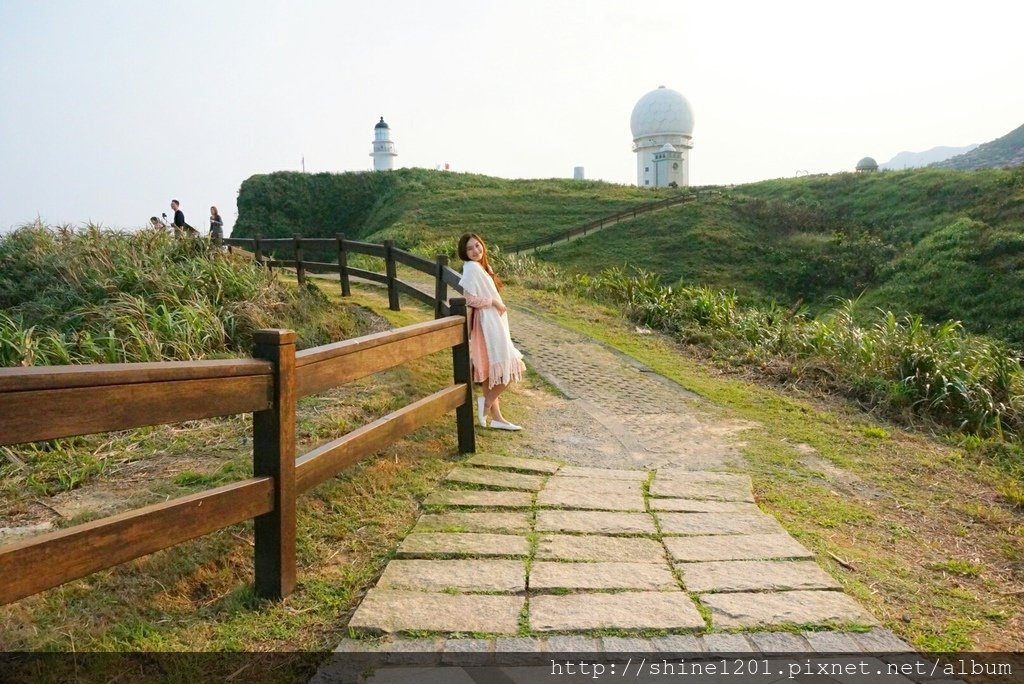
<point>463,241</point>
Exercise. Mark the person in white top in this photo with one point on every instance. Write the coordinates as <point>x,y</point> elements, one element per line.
<point>496,361</point>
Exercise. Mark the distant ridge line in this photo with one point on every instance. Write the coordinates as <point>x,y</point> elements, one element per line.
<point>607,221</point>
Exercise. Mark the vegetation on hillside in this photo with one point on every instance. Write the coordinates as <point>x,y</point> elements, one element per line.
<point>1003,152</point>
<point>425,210</point>
<point>908,370</point>
<point>102,296</point>
<point>944,244</point>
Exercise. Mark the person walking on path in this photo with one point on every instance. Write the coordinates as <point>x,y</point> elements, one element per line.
<point>496,362</point>
<point>216,226</point>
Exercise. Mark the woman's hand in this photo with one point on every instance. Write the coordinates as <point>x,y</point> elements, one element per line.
<point>500,307</point>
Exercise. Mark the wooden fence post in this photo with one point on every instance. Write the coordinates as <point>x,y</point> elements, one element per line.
<point>346,288</point>
<point>440,286</point>
<point>273,455</point>
<point>389,265</point>
<point>300,268</point>
<point>257,251</point>
<point>464,418</point>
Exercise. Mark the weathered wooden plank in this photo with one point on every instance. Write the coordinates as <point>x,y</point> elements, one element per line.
<point>329,351</point>
<point>319,266</point>
<point>413,261</point>
<point>49,414</point>
<point>51,559</point>
<point>365,248</point>
<point>419,295</point>
<point>367,275</point>
<point>452,277</point>
<point>333,365</point>
<point>273,455</point>
<point>98,374</point>
<point>326,461</point>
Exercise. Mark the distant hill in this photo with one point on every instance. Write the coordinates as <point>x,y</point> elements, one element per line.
<point>1001,153</point>
<point>914,160</point>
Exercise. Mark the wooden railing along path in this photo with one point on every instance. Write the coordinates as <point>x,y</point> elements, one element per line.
<point>444,276</point>
<point>43,403</point>
<point>606,221</point>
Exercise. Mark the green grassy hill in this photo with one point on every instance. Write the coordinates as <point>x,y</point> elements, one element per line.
<point>1003,152</point>
<point>944,243</point>
<point>425,209</point>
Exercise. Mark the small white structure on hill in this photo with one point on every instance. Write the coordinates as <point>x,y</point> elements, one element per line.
<point>383,149</point>
<point>867,165</point>
<point>662,125</point>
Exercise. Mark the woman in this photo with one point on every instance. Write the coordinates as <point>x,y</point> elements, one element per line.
<point>496,361</point>
<point>216,225</point>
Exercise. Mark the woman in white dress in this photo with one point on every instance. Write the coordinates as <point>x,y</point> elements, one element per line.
<point>496,361</point>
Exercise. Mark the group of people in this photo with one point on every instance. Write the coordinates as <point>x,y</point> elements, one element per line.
<point>182,229</point>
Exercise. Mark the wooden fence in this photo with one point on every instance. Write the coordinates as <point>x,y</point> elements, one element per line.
<point>44,403</point>
<point>444,277</point>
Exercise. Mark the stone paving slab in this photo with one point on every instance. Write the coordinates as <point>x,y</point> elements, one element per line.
<point>718,523</point>
<point>473,521</point>
<point>696,506</point>
<point>592,547</point>
<point>702,485</point>
<point>595,522</point>
<point>533,465</point>
<point>593,484</point>
<point>420,544</point>
<point>546,575</point>
<point>622,610</point>
<point>591,500</point>
<point>783,608</point>
<point>723,576</point>
<point>831,642</point>
<point>496,478</point>
<point>779,642</point>
<point>735,547</point>
<point>484,498</point>
<point>464,575</point>
<point>604,473</point>
<point>389,610</point>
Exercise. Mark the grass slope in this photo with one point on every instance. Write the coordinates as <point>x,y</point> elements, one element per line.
<point>943,243</point>
<point>425,209</point>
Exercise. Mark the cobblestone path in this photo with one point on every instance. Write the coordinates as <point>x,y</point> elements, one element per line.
<point>629,516</point>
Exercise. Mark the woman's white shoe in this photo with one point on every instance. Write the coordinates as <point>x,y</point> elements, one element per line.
<point>502,425</point>
<point>480,411</point>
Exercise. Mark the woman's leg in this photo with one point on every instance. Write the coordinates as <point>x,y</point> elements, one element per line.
<point>491,405</point>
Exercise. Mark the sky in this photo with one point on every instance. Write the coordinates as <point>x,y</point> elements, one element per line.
<point>111,108</point>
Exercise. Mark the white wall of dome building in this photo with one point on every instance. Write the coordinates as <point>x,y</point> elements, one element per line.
<point>662,127</point>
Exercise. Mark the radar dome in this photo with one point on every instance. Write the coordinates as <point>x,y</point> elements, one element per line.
<point>867,164</point>
<point>662,112</point>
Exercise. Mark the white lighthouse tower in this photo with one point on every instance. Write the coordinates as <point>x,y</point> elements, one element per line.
<point>662,125</point>
<point>383,149</point>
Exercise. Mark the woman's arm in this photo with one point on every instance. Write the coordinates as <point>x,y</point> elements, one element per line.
<point>477,302</point>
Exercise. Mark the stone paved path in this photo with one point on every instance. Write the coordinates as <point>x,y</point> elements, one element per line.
<point>634,517</point>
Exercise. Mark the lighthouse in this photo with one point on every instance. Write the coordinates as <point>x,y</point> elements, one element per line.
<point>383,149</point>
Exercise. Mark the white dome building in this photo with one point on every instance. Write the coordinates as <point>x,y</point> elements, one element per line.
<point>662,125</point>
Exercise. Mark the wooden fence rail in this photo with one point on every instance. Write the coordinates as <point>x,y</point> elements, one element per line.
<point>45,403</point>
<point>444,277</point>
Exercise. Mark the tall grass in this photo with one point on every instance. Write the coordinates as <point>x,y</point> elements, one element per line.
<point>900,365</point>
<point>104,296</point>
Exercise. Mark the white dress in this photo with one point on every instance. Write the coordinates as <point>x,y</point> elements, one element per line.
<point>495,359</point>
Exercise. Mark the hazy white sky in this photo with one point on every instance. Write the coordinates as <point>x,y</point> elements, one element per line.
<point>109,109</point>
